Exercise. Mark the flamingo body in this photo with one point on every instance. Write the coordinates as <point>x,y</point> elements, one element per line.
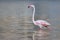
<point>40,23</point>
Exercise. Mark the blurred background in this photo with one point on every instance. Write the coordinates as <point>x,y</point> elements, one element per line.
<point>16,18</point>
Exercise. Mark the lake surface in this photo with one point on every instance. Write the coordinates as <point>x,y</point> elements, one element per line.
<point>16,20</point>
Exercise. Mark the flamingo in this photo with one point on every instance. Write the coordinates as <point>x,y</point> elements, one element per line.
<point>40,23</point>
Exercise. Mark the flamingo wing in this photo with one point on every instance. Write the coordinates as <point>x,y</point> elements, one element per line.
<point>42,22</point>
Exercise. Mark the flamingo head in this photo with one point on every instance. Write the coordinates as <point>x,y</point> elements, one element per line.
<point>29,6</point>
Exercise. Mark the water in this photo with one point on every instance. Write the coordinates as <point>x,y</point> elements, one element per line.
<point>16,22</point>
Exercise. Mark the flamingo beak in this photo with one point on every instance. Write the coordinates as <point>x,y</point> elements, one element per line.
<point>28,6</point>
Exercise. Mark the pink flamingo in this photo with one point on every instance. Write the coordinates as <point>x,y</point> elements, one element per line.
<point>40,23</point>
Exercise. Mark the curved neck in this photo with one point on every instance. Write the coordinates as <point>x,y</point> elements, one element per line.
<point>33,15</point>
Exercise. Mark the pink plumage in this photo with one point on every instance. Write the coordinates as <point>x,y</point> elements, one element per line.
<point>40,23</point>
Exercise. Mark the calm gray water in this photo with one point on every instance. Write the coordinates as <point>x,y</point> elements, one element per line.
<point>16,22</point>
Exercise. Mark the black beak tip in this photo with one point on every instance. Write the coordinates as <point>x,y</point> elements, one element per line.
<point>28,6</point>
